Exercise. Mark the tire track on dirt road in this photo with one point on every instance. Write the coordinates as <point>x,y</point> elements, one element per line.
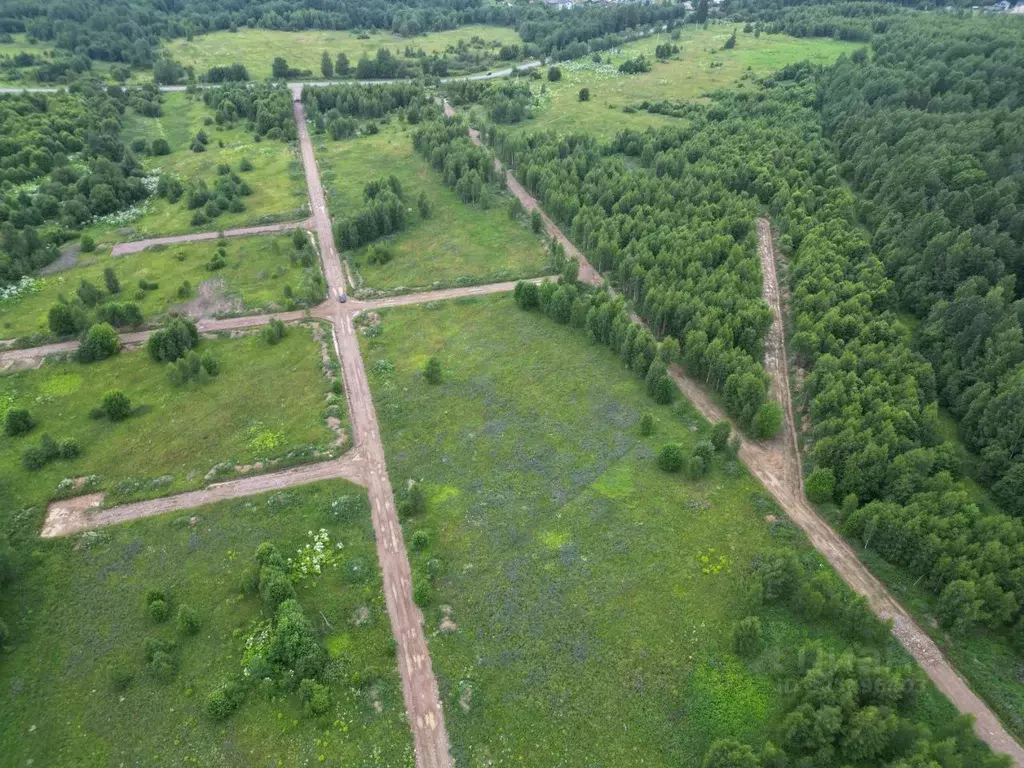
<point>122,249</point>
<point>419,685</point>
<point>776,464</point>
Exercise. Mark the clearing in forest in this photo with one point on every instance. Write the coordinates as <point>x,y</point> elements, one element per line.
<point>581,602</point>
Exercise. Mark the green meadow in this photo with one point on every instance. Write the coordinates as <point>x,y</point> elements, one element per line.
<point>458,244</point>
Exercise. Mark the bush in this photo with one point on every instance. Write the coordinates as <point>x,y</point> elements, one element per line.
<point>414,503</point>
<point>820,485</point>
<point>767,421</point>
<point>160,147</point>
<point>432,371</point>
<point>4,633</point>
<point>554,74</point>
<point>89,294</point>
<point>188,621</point>
<point>670,458</point>
<point>173,340</point>
<point>315,698</point>
<point>87,244</point>
<point>274,331</point>
<point>420,540</point>
<point>697,466</point>
<point>720,433</point>
<point>210,364</point>
<point>121,679</point>
<point>422,591</point>
<point>746,637</point>
<point>18,421</point>
<point>68,449</point>
<point>536,222</point>
<point>664,390</point>
<point>116,405</point>
<point>275,587</point>
<point>245,165</point>
<point>249,581</point>
<point>111,281</point>
<point>37,457</point>
<point>647,424</point>
<point>584,94</point>
<point>159,611</point>
<point>66,319</point>
<point>100,343</point>
<point>223,701</point>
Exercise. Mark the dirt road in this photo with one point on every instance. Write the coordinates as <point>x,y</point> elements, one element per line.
<point>73,516</point>
<point>12,357</point>
<point>419,686</point>
<point>121,249</point>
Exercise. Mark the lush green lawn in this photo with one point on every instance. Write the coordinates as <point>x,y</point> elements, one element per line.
<point>594,595</point>
<point>78,618</point>
<point>458,244</point>
<point>278,186</point>
<point>701,66</point>
<point>256,48</point>
<point>257,271</point>
<point>266,401</point>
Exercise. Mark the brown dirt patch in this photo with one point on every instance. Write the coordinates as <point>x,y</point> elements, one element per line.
<point>210,300</point>
<point>70,515</point>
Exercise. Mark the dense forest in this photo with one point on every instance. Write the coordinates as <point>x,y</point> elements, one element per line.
<point>678,239</point>
<point>668,212</point>
<point>44,197</point>
<point>928,130</point>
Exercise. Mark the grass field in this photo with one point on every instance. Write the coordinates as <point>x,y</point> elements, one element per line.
<point>458,244</point>
<point>279,192</point>
<point>594,595</point>
<point>257,271</point>
<point>266,401</point>
<point>256,48</point>
<point>700,67</point>
<point>20,44</point>
<point>88,623</point>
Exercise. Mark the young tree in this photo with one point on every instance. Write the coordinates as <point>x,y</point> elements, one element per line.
<point>280,69</point>
<point>88,293</point>
<point>720,435</point>
<point>767,421</point>
<point>820,485</point>
<point>432,371</point>
<point>536,221</point>
<point>327,66</point>
<point>647,424</point>
<point>670,458</point>
<point>87,244</point>
<point>554,74</point>
<point>18,421</point>
<point>341,65</point>
<point>110,278</point>
<point>100,343</point>
<point>423,204</point>
<point>116,405</point>
<point>584,94</point>
<point>746,637</point>
<point>731,42</point>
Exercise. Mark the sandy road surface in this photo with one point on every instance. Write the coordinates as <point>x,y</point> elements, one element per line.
<point>419,686</point>
<point>10,357</point>
<point>122,249</point>
<point>66,517</point>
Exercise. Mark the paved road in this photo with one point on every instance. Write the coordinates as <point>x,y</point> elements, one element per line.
<point>120,249</point>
